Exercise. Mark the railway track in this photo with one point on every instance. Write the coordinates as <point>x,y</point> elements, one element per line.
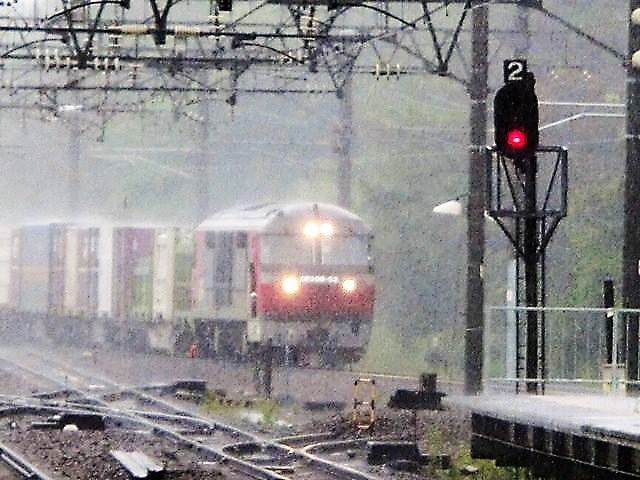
<point>19,466</point>
<point>242,452</point>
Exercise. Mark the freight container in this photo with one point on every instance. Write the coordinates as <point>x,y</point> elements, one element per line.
<point>5,266</point>
<point>125,271</point>
<point>38,268</point>
<point>81,271</point>
<point>173,264</point>
<point>183,271</point>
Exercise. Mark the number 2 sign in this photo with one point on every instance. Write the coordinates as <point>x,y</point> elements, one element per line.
<point>514,70</point>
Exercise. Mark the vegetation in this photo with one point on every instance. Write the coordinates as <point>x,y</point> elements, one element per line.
<point>462,464</point>
<point>421,257</point>
<point>391,353</point>
<point>266,411</point>
<point>486,470</point>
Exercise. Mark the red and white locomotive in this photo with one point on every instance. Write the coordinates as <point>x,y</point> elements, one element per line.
<point>297,274</point>
<point>292,275</point>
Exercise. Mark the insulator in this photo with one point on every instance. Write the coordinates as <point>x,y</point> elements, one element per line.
<point>96,63</point>
<point>134,29</point>
<point>186,31</point>
<point>133,74</point>
<point>116,63</point>
<point>377,71</point>
<point>114,42</point>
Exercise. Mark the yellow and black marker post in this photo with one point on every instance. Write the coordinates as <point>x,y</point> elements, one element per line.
<point>364,407</point>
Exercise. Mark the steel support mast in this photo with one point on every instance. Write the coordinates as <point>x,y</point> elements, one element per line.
<point>631,248</point>
<point>475,211</point>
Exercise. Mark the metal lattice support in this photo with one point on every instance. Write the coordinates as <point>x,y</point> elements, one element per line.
<point>527,200</point>
<point>153,47</point>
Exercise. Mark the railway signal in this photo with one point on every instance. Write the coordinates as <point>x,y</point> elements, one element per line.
<point>515,113</point>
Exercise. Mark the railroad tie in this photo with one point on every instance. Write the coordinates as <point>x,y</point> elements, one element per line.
<point>138,464</point>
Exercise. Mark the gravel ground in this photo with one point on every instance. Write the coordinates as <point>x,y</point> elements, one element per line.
<point>445,431</point>
<point>12,384</point>
<point>71,454</point>
<point>86,454</point>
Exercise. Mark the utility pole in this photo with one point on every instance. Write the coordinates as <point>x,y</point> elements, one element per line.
<point>343,142</point>
<point>202,160</point>
<point>73,166</point>
<point>475,210</point>
<point>527,214</point>
<point>522,43</point>
<point>532,261</point>
<point>631,247</point>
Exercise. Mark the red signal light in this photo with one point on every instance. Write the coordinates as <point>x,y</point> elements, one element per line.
<point>515,117</point>
<point>516,139</point>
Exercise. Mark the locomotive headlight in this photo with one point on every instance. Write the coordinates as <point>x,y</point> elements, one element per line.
<point>311,229</point>
<point>290,285</point>
<point>349,285</point>
<point>326,229</point>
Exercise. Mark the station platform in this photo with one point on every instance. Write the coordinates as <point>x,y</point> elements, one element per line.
<point>565,436</point>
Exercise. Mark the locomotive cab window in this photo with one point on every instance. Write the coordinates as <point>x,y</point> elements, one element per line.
<point>241,240</point>
<point>223,273</point>
<point>344,251</point>
<point>300,250</point>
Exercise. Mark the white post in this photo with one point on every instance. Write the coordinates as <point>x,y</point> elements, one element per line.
<point>511,350</point>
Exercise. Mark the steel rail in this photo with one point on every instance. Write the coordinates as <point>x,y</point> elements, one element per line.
<point>21,465</point>
<point>183,415</point>
<point>240,465</point>
<point>244,467</point>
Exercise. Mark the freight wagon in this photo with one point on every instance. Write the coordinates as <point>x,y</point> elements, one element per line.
<point>297,276</point>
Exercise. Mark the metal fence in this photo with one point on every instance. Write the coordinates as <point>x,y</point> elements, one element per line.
<point>579,347</point>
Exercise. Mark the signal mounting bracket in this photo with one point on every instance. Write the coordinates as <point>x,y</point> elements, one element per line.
<point>506,193</point>
<point>527,199</point>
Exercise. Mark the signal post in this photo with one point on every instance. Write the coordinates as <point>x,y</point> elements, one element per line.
<point>526,213</point>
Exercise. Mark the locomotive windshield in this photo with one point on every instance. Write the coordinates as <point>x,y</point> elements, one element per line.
<point>300,250</point>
